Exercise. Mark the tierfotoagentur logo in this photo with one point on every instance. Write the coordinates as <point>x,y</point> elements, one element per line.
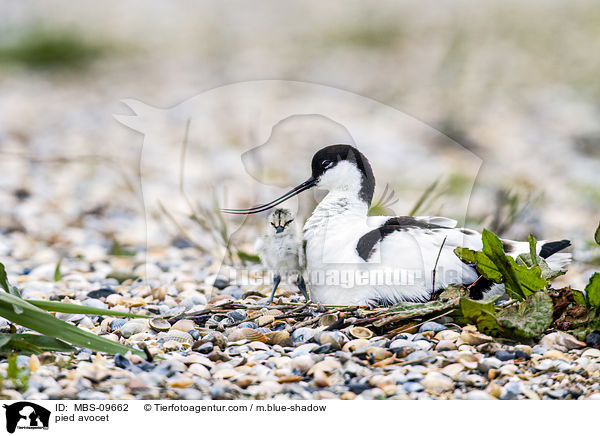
<point>26,416</point>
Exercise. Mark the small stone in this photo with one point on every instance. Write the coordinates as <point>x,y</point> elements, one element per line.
<point>453,370</point>
<point>511,391</point>
<point>348,396</point>
<point>420,356</point>
<point>412,387</point>
<point>593,340</point>
<point>494,390</point>
<point>508,370</point>
<point>445,346</point>
<point>505,355</point>
<point>432,326</point>
<point>554,354</point>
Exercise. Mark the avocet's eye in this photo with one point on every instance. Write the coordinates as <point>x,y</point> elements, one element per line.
<point>327,164</point>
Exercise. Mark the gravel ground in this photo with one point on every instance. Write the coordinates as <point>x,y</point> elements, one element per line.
<point>517,94</point>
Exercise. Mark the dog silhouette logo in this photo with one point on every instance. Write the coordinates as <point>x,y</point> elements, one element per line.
<point>26,415</point>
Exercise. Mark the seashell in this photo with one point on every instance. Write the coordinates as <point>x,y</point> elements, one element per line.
<point>105,324</point>
<point>302,363</point>
<point>139,337</point>
<point>360,332</point>
<point>111,336</point>
<point>171,346</point>
<point>159,324</point>
<point>354,345</point>
<point>179,336</point>
<point>273,312</point>
<point>34,363</point>
<point>378,353</point>
<point>321,380</point>
<point>184,325</point>
<point>277,337</point>
<point>184,382</point>
<point>134,302</point>
<point>117,324</point>
<point>264,320</point>
<point>328,366</point>
<point>434,381</point>
<point>447,335</point>
<point>237,315</point>
<point>471,336</point>
<point>303,334</point>
<point>248,324</point>
<point>279,325</point>
<point>159,293</point>
<point>468,360</point>
<point>199,370</point>
<point>327,320</point>
<point>114,299</point>
<point>336,339</point>
<point>217,339</point>
<point>133,327</point>
<point>561,341</point>
<point>248,334</point>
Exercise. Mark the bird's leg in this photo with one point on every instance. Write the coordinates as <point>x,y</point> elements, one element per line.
<point>276,280</point>
<point>302,286</point>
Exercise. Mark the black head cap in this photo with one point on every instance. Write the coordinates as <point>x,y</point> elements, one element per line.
<point>330,156</point>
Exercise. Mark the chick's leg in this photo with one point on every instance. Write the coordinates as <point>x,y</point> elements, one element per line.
<point>302,286</point>
<point>276,280</point>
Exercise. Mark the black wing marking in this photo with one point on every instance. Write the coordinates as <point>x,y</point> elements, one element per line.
<point>550,248</point>
<point>367,242</point>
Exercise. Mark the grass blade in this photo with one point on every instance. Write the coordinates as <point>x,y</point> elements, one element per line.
<point>42,322</point>
<point>56,306</point>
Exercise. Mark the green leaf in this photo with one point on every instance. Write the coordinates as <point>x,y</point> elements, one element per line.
<point>42,342</point>
<point>533,250</point>
<point>248,257</point>
<point>481,313</point>
<point>579,297</point>
<point>482,263</point>
<point>597,235</point>
<point>41,321</point>
<point>57,273</point>
<point>530,278</point>
<point>492,247</point>
<point>55,306</point>
<point>592,291</point>
<point>530,318</point>
<point>4,279</point>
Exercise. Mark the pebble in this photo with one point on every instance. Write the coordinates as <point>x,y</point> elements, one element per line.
<point>504,355</point>
<point>433,327</point>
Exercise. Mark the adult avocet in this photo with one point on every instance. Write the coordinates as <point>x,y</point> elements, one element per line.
<point>355,259</point>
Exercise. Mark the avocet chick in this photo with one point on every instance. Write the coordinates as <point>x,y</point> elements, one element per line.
<point>281,250</point>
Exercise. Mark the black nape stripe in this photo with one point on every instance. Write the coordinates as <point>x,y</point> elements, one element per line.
<point>550,248</point>
<point>367,242</point>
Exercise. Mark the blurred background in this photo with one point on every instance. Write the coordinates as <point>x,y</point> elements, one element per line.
<point>515,84</point>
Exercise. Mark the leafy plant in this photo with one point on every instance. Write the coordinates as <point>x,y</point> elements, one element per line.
<point>26,313</point>
<point>524,281</point>
<point>19,377</point>
<point>520,280</point>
